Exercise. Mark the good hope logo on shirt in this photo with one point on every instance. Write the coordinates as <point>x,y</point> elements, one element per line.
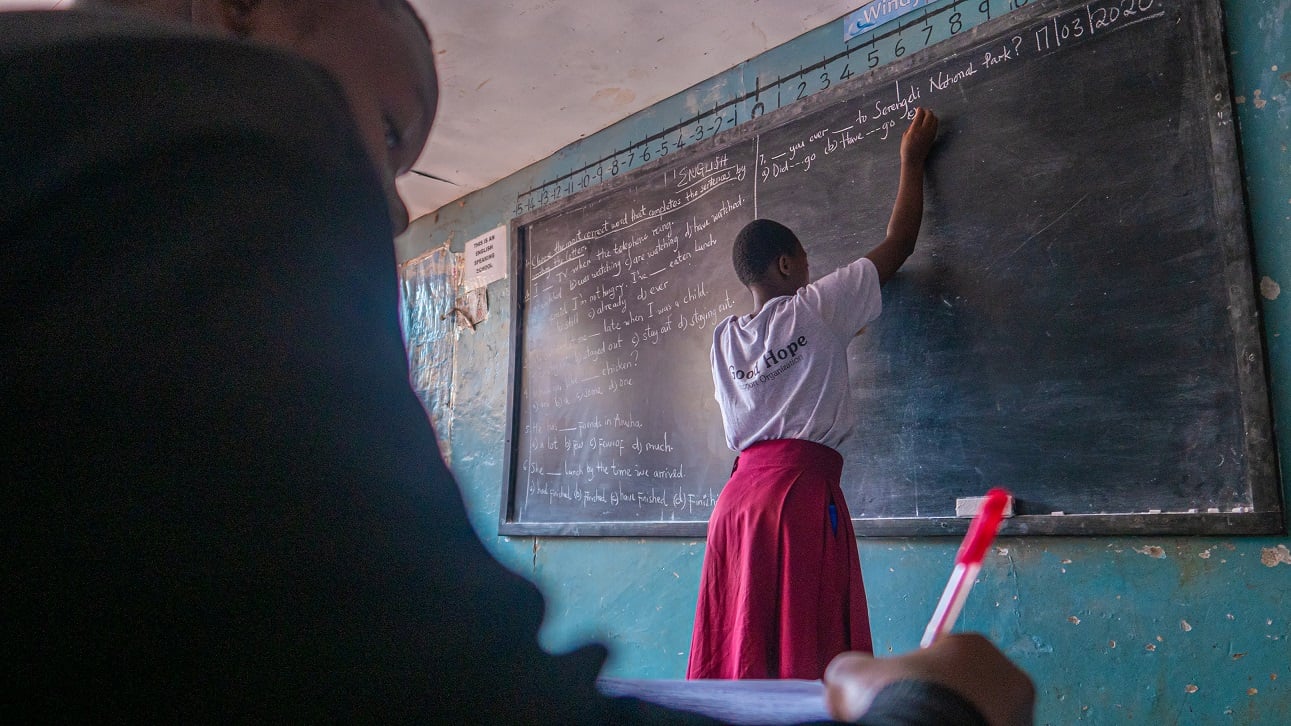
<point>773,357</point>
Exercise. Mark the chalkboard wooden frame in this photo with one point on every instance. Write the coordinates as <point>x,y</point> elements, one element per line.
<point>1260,513</point>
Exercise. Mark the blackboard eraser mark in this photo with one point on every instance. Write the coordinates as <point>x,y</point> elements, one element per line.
<point>969,506</point>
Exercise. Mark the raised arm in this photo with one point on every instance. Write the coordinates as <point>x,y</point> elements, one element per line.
<point>907,212</point>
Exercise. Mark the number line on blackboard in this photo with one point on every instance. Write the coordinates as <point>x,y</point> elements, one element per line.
<point>755,93</point>
<point>780,80</point>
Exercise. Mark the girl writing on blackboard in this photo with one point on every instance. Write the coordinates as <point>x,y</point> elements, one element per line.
<point>780,591</point>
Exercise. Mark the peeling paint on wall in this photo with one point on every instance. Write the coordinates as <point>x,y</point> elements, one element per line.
<point>1269,289</point>
<point>1152,551</point>
<point>1274,556</point>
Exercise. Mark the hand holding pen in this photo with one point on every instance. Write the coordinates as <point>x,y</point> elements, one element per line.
<point>967,564</point>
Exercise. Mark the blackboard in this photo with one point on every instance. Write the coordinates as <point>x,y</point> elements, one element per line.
<point>1078,323</point>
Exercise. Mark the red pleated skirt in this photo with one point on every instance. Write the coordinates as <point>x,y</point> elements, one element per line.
<point>780,592</point>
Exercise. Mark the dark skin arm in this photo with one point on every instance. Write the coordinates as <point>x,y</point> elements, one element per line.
<point>966,663</point>
<point>907,211</point>
<point>790,271</point>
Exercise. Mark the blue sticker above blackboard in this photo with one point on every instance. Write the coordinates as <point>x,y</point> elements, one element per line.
<point>875,13</point>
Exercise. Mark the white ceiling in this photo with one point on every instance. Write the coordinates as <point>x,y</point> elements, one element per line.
<point>520,79</point>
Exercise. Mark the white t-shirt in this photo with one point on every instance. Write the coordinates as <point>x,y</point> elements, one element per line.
<point>782,373</point>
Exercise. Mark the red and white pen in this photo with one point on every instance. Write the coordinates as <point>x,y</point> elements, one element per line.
<point>981,532</point>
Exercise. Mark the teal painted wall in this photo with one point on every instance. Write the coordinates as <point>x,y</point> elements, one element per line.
<point>1191,630</point>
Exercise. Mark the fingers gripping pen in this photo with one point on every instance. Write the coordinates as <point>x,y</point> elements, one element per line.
<point>981,532</point>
